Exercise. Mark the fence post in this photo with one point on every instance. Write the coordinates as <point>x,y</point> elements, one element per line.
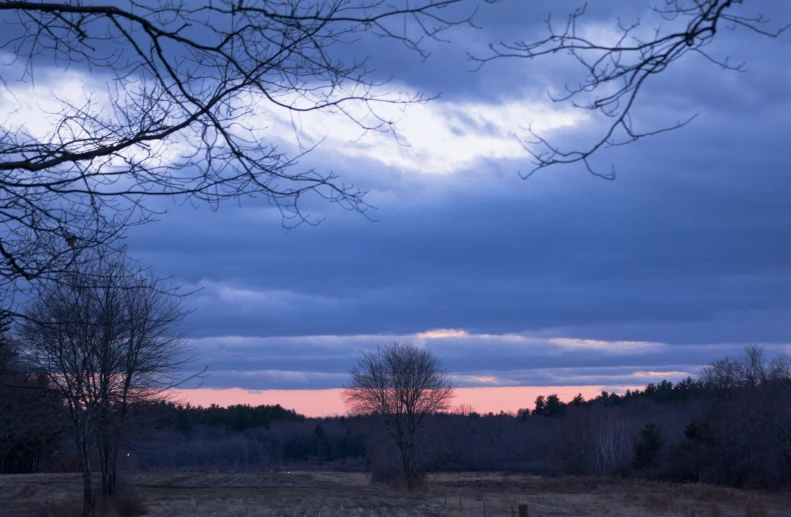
<point>522,510</point>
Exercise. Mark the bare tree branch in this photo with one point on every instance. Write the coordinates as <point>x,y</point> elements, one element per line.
<point>615,74</point>
<point>181,92</point>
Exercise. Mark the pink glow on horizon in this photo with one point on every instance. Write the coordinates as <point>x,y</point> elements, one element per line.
<point>315,403</point>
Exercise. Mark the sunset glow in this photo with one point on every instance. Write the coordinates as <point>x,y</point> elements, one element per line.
<point>318,403</point>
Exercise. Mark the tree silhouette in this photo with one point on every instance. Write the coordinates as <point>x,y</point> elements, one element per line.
<point>104,339</point>
<point>401,385</point>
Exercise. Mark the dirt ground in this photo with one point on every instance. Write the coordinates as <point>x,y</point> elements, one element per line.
<point>330,494</point>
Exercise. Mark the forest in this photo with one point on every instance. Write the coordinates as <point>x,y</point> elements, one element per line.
<point>731,425</point>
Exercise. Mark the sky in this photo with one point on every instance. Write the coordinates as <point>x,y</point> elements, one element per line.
<point>561,283</point>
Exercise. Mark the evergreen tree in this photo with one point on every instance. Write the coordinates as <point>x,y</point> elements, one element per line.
<point>647,448</point>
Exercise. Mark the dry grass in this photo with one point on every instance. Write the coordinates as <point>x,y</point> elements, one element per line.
<point>126,503</point>
<point>330,494</point>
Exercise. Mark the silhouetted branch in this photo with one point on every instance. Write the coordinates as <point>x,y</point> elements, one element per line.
<point>616,73</point>
<point>175,105</point>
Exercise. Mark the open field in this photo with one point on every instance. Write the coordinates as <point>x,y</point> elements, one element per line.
<point>330,494</point>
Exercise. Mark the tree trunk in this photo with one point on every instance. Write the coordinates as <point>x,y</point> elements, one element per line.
<point>88,499</point>
<point>108,459</point>
<point>407,464</point>
<point>103,465</point>
<point>113,477</point>
<point>411,473</point>
<point>108,444</point>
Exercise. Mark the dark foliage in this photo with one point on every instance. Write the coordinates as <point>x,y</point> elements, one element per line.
<point>28,435</point>
<point>647,448</point>
<point>240,417</point>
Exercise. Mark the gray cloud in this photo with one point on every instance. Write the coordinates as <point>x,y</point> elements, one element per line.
<point>474,360</point>
<point>688,247</point>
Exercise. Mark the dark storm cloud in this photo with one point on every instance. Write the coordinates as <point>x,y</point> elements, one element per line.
<point>688,249</point>
<point>449,71</point>
<point>658,245</point>
<point>562,279</point>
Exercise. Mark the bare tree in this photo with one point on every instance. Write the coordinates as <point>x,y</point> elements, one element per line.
<point>750,369</point>
<point>105,339</point>
<point>401,385</point>
<point>180,94</point>
<point>615,74</point>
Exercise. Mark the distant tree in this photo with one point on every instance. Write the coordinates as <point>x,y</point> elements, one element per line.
<point>464,409</point>
<point>750,369</point>
<point>554,406</point>
<point>579,400</point>
<point>523,413</point>
<point>319,433</point>
<point>105,339</point>
<point>401,385</point>
<point>647,447</point>
<point>549,406</point>
<point>540,407</point>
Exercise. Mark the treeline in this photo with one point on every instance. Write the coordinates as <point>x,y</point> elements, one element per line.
<point>240,437</point>
<point>239,417</point>
<point>664,392</point>
<point>731,426</point>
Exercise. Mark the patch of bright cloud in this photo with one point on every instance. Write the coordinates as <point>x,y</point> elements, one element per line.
<point>660,375</point>
<point>438,137</point>
<point>435,137</point>
<point>442,333</point>
<point>289,377</point>
<point>606,346</point>
<point>75,108</point>
<point>468,380</point>
<point>229,293</point>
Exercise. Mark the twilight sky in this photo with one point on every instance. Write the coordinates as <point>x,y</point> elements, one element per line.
<point>565,281</point>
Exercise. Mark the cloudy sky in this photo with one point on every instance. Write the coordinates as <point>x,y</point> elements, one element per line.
<point>564,282</point>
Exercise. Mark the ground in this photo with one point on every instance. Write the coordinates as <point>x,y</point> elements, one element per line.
<point>331,494</point>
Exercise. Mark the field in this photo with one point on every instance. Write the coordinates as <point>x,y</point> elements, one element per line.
<point>330,494</point>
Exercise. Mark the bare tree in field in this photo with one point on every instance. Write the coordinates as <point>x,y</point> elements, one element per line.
<point>616,73</point>
<point>177,97</point>
<point>105,339</point>
<point>400,384</point>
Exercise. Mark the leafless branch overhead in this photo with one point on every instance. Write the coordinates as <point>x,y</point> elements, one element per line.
<point>616,73</point>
